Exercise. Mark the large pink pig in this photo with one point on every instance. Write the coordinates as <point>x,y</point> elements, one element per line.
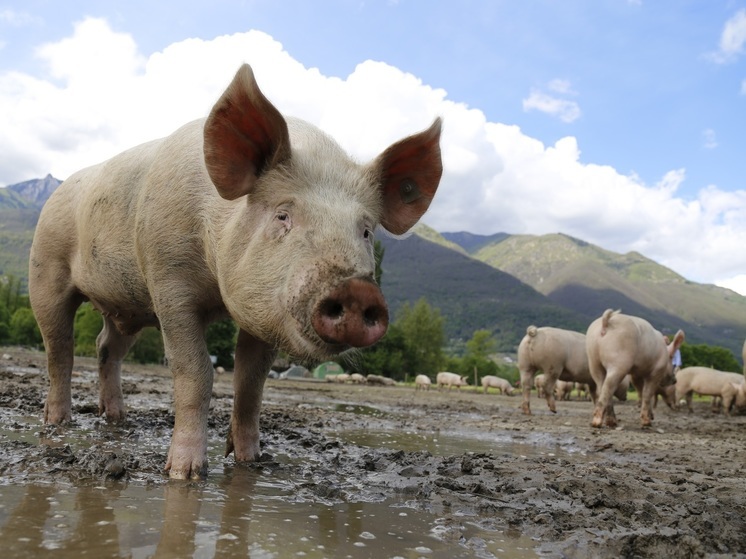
<point>246,214</point>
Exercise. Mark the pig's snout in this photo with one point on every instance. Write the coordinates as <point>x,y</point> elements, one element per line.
<point>353,314</point>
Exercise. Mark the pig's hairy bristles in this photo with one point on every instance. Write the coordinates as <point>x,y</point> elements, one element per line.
<point>353,358</point>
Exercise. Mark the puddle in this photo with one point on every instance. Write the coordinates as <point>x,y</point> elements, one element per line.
<point>439,444</point>
<point>360,410</point>
<point>236,513</point>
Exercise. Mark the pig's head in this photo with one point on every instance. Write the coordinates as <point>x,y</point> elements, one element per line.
<point>740,401</point>
<point>295,258</point>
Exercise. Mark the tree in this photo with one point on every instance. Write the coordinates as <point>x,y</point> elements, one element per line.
<point>378,252</point>
<point>10,293</point>
<point>5,336</point>
<point>384,358</point>
<point>148,348</point>
<point>422,329</point>
<point>88,323</point>
<point>23,327</point>
<point>221,341</point>
<point>715,357</point>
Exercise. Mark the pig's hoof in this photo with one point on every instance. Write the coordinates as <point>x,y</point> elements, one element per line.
<point>188,472</point>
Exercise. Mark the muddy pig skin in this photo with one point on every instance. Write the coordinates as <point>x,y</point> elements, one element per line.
<point>619,345</point>
<point>449,380</point>
<point>709,382</point>
<point>422,382</point>
<point>245,214</point>
<point>491,381</point>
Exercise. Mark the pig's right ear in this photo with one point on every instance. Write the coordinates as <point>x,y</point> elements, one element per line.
<point>410,172</point>
<point>245,135</point>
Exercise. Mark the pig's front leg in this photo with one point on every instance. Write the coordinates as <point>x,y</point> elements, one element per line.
<point>252,363</point>
<point>193,375</point>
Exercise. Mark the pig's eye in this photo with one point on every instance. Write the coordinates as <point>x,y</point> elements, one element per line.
<point>284,218</point>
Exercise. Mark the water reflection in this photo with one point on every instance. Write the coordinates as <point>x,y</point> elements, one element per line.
<point>239,512</point>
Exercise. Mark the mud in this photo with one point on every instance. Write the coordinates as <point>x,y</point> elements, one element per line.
<point>676,490</point>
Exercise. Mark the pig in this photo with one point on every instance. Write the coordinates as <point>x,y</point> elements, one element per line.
<point>331,378</point>
<point>491,381</point>
<point>422,382</point>
<point>450,380</point>
<point>560,355</point>
<point>245,214</point>
<point>563,389</point>
<point>619,345</point>
<point>540,382</point>
<point>583,391</point>
<point>378,379</point>
<point>709,382</point>
<point>736,393</point>
<point>357,378</point>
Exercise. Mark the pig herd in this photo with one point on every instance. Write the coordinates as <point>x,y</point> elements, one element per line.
<point>618,349</point>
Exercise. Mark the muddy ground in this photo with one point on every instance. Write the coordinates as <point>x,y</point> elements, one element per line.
<point>676,490</point>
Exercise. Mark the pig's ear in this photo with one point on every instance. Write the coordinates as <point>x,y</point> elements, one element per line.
<point>678,339</point>
<point>410,171</point>
<point>245,135</point>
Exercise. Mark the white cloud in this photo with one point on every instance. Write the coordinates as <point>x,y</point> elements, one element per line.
<point>564,109</point>
<point>16,18</point>
<point>709,139</point>
<point>732,39</point>
<point>92,105</point>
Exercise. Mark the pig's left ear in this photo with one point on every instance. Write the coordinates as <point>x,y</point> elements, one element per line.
<point>678,339</point>
<point>410,171</point>
<point>245,135</point>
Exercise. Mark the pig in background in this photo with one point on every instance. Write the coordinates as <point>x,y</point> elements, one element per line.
<point>619,345</point>
<point>246,214</point>
<point>450,380</point>
<point>422,382</point>
<point>730,387</point>
<point>498,383</point>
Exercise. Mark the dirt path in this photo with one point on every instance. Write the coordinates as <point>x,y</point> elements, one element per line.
<point>676,490</point>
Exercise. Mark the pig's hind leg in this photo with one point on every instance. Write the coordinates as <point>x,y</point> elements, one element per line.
<point>111,347</point>
<point>55,301</point>
<point>253,361</point>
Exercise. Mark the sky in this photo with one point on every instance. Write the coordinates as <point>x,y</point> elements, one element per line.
<point>618,122</point>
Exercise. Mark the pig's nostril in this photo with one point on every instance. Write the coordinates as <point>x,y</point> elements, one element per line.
<point>373,315</point>
<point>332,308</point>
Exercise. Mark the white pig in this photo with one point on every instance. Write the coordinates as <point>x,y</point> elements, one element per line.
<point>246,214</point>
<point>450,380</point>
<point>619,345</point>
<point>560,355</point>
<point>540,382</point>
<point>563,389</point>
<point>501,384</point>
<point>422,382</point>
<point>709,382</point>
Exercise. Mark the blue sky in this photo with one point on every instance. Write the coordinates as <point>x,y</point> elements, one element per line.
<point>621,122</point>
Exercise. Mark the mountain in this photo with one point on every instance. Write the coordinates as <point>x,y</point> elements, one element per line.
<point>470,294</point>
<point>588,279</point>
<point>471,242</point>
<point>30,193</point>
<point>20,205</point>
